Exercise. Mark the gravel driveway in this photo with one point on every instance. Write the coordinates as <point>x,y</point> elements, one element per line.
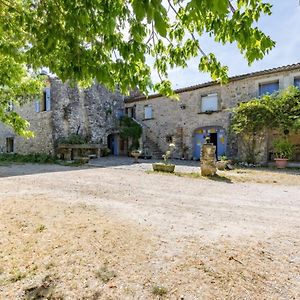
<point>183,237</point>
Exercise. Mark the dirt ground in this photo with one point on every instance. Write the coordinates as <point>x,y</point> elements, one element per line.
<point>111,233</point>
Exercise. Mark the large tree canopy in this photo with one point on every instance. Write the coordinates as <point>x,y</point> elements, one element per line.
<point>112,40</point>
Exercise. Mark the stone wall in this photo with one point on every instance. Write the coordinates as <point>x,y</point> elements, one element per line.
<point>92,113</point>
<point>180,119</point>
<point>40,124</point>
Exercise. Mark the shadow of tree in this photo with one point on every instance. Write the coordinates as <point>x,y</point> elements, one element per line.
<point>219,178</point>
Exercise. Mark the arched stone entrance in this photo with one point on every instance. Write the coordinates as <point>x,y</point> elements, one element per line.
<point>217,136</point>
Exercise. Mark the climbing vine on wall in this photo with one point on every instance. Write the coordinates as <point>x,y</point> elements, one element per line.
<point>129,129</point>
<point>279,111</point>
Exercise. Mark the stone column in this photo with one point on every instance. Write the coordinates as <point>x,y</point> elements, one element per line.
<point>208,160</point>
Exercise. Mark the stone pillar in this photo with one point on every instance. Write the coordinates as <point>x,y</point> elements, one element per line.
<point>208,160</point>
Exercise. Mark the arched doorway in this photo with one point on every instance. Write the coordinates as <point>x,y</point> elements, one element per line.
<point>217,136</point>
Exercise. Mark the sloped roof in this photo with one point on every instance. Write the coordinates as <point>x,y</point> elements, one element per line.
<point>211,83</point>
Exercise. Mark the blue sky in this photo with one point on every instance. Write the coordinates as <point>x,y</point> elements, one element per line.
<point>283,26</point>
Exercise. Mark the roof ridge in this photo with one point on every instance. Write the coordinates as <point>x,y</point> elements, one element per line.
<point>210,83</point>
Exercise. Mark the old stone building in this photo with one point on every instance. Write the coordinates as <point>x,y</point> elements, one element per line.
<point>64,110</point>
<point>202,110</point>
<point>205,110</point>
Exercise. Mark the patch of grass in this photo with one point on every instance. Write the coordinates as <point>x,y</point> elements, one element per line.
<point>194,175</point>
<point>41,228</point>
<point>45,290</point>
<point>26,158</point>
<point>17,276</point>
<point>71,164</point>
<point>158,290</point>
<point>105,275</point>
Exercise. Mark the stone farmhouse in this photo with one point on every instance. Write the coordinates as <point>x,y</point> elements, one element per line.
<point>205,110</point>
<point>202,110</point>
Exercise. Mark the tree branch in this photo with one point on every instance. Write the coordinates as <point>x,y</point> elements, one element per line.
<point>191,33</point>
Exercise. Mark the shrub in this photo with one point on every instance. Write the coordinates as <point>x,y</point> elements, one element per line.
<point>27,158</point>
<point>283,149</point>
<point>73,139</point>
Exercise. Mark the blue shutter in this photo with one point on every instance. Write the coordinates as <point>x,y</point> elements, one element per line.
<point>268,88</point>
<point>119,113</point>
<point>48,99</point>
<point>37,106</point>
<point>297,82</point>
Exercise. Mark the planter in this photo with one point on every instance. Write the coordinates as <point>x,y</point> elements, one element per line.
<point>136,154</point>
<point>281,163</point>
<point>221,165</point>
<point>161,167</point>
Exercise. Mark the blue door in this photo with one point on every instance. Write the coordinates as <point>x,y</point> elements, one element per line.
<point>199,140</point>
<point>221,143</point>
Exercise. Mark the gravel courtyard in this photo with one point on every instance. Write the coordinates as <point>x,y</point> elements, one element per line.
<point>117,232</point>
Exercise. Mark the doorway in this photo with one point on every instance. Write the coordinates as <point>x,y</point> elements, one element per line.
<point>217,137</point>
<point>214,140</point>
<point>10,145</point>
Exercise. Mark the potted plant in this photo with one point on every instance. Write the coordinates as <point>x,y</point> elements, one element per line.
<point>165,166</point>
<point>284,151</point>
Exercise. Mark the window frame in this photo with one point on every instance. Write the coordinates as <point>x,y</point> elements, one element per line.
<point>264,83</point>
<point>145,115</point>
<point>10,144</point>
<point>297,78</point>
<point>209,95</point>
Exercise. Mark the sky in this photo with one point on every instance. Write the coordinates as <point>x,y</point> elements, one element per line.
<point>283,26</point>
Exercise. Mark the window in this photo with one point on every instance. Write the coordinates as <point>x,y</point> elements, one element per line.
<point>297,82</point>
<point>119,113</point>
<point>10,145</point>
<point>209,103</point>
<point>268,88</point>
<point>45,104</point>
<point>130,112</point>
<point>148,112</point>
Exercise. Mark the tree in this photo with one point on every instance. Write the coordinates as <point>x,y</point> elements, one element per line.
<point>111,40</point>
<point>279,111</point>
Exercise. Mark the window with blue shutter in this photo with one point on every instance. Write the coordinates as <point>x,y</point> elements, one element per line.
<point>268,88</point>
<point>46,101</point>
<point>119,113</point>
<point>297,82</point>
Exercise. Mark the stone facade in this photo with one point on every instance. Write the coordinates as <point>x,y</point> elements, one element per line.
<point>182,122</point>
<point>92,113</point>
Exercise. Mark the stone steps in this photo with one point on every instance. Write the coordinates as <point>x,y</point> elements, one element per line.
<point>153,149</point>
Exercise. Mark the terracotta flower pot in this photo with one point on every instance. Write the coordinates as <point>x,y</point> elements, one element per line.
<point>281,163</point>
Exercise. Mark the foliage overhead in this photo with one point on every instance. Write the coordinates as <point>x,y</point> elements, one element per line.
<point>111,40</point>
